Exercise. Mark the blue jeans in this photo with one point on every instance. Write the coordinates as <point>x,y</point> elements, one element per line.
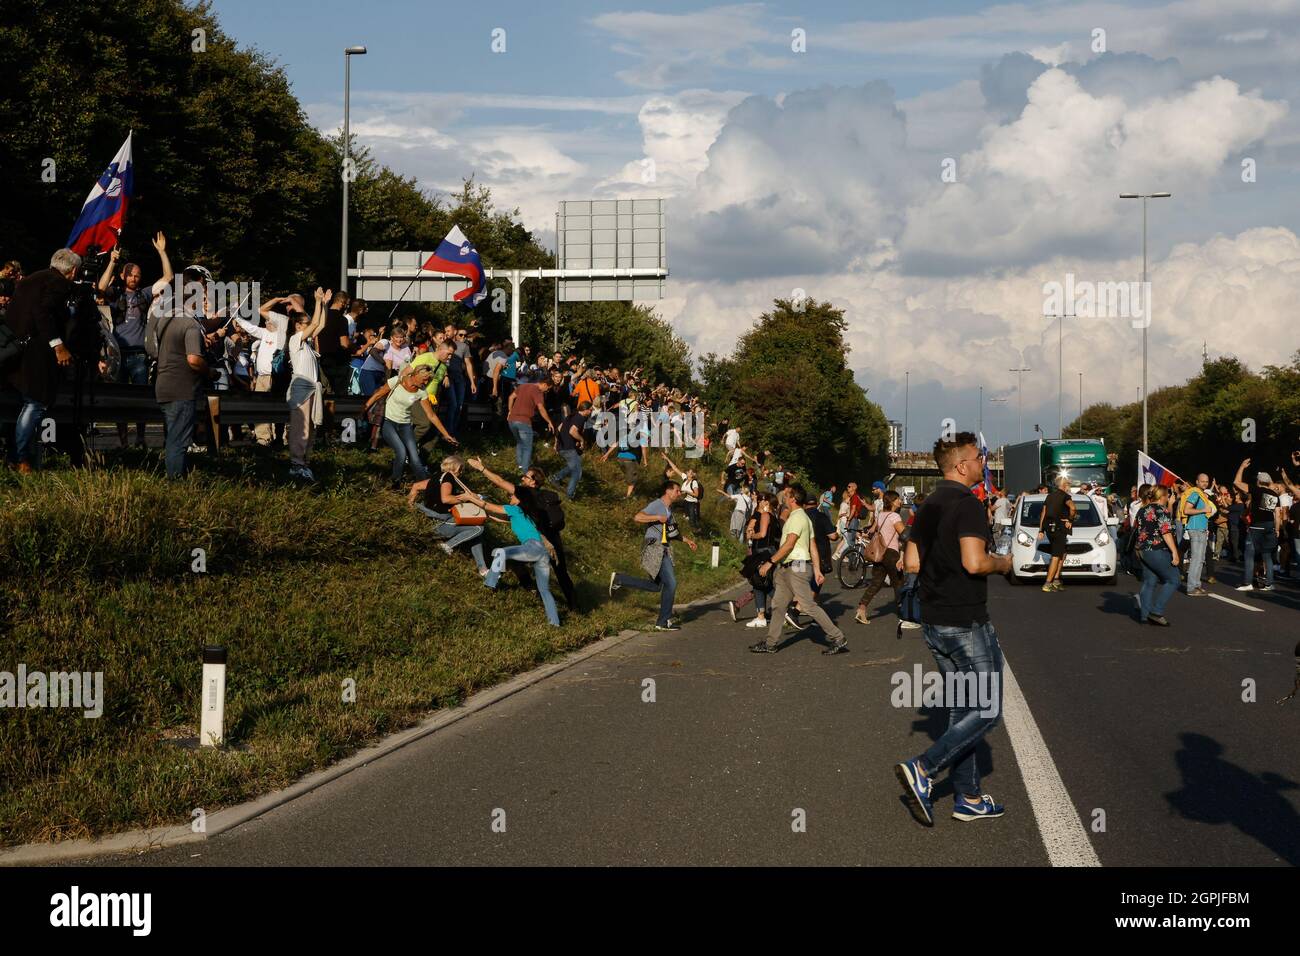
<point>135,369</point>
<point>178,422</point>
<point>29,419</point>
<point>534,553</point>
<point>457,534</point>
<point>1196,559</point>
<point>1265,539</point>
<point>572,467</point>
<point>523,432</point>
<point>457,393</point>
<point>665,583</point>
<point>1160,563</point>
<point>972,649</point>
<point>401,439</point>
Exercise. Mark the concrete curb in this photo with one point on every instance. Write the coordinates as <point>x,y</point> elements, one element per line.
<point>223,820</point>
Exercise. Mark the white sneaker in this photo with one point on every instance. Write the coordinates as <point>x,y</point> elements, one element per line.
<point>910,626</point>
<point>1246,587</point>
<point>613,583</point>
<point>757,622</point>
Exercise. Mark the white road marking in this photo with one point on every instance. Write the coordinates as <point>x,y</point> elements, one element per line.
<point>1063,834</point>
<point>1228,600</point>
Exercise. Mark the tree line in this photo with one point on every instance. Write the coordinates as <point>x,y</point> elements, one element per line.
<point>1224,414</point>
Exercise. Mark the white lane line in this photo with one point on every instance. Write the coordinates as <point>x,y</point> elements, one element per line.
<point>1228,600</point>
<point>1058,824</point>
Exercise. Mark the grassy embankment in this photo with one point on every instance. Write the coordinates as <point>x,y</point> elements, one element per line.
<point>305,587</point>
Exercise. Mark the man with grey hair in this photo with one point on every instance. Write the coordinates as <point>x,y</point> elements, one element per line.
<point>39,314</point>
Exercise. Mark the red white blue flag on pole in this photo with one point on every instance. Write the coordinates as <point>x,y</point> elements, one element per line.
<point>100,222</point>
<point>1151,472</point>
<point>988,477</point>
<point>457,255</point>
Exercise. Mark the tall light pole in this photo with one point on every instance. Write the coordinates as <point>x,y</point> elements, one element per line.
<point>907,382</point>
<point>1020,395</point>
<point>347,172</point>
<point>998,436</point>
<point>1060,371</point>
<point>981,409</point>
<point>1080,394</point>
<point>1144,197</point>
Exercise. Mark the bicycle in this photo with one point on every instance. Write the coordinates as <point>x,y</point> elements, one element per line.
<point>854,566</point>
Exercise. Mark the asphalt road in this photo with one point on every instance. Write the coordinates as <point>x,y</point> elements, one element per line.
<point>1145,724</point>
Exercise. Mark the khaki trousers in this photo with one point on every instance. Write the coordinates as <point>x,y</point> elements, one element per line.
<point>791,584</point>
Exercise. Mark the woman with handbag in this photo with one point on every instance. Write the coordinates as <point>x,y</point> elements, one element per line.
<point>763,532</point>
<point>884,551</point>
<point>458,511</point>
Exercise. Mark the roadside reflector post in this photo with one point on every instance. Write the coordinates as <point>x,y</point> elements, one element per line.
<point>213,719</point>
<point>716,553</point>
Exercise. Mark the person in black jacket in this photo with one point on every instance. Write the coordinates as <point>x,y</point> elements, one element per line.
<point>39,314</point>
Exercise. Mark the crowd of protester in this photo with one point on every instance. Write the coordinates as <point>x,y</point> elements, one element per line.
<point>419,384</point>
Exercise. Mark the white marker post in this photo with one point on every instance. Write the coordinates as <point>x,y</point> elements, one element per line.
<point>716,554</point>
<point>212,721</point>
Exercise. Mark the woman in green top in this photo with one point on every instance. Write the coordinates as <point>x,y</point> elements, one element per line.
<point>401,392</point>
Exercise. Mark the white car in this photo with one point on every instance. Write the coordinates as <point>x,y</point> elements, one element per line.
<point>1090,550</point>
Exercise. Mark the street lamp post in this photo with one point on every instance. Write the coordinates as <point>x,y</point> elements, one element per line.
<point>1020,395</point>
<point>907,382</point>
<point>1080,394</point>
<point>1144,197</point>
<point>347,173</point>
<point>1060,371</point>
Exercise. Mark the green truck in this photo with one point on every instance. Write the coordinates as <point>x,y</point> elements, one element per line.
<point>1032,463</point>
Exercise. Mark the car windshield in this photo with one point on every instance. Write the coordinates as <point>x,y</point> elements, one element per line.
<point>1031,512</point>
<point>1078,474</point>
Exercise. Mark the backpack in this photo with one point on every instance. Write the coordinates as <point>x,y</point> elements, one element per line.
<point>551,508</point>
<point>11,347</point>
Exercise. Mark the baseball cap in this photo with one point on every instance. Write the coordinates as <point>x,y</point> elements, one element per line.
<point>879,484</point>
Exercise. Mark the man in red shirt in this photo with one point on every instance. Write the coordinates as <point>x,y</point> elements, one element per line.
<point>526,401</point>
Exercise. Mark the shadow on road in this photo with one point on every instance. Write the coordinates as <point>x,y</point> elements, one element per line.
<point>1118,602</point>
<point>1217,791</point>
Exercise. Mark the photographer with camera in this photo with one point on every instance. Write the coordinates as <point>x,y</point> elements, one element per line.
<point>38,316</point>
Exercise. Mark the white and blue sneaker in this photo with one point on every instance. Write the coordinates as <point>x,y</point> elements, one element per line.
<point>917,788</point>
<point>963,810</point>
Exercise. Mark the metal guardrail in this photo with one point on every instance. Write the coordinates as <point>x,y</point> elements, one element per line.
<point>115,403</point>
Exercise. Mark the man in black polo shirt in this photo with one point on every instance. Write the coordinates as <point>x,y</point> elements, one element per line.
<point>950,547</point>
<point>1054,524</point>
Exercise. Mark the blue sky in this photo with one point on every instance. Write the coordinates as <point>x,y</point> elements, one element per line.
<point>821,170</point>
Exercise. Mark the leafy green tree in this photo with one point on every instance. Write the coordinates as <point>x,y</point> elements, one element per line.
<point>629,336</point>
<point>790,389</point>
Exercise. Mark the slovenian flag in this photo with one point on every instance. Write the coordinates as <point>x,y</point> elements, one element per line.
<point>1151,472</point>
<point>100,222</point>
<point>456,254</point>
